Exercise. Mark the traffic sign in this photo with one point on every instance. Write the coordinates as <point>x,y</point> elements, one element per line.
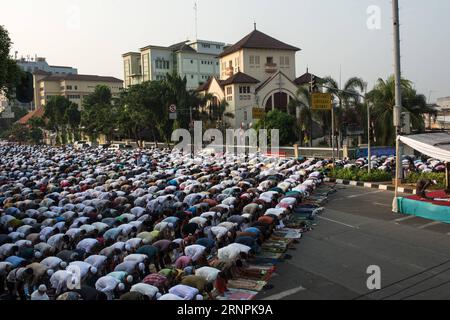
<point>173,116</point>
<point>321,101</point>
<point>173,108</point>
<point>258,113</point>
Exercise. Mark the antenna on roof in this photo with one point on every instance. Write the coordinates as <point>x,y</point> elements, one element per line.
<point>254,24</point>
<point>196,19</point>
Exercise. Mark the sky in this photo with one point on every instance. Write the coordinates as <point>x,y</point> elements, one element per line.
<point>341,39</point>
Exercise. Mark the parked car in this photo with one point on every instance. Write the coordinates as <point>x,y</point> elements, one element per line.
<point>117,147</point>
<point>82,144</point>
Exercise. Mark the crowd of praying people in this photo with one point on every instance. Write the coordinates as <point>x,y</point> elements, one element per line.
<point>143,224</point>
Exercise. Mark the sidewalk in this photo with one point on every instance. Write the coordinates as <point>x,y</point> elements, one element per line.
<point>373,185</point>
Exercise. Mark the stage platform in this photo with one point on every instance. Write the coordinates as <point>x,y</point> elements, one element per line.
<point>428,209</point>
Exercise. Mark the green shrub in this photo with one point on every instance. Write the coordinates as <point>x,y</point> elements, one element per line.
<point>438,176</point>
<point>357,174</point>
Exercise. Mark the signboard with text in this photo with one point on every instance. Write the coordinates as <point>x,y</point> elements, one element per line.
<point>258,113</point>
<point>321,101</point>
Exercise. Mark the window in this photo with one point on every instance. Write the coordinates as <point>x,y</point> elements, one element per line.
<point>252,59</point>
<point>269,60</point>
<point>257,60</point>
<point>69,87</point>
<point>284,61</point>
<point>206,45</point>
<point>218,46</point>
<point>192,76</point>
<point>245,115</point>
<point>76,87</point>
<point>192,61</point>
<point>244,89</point>
<point>229,90</point>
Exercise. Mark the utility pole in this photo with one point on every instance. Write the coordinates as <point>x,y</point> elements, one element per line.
<point>398,97</point>
<point>369,153</point>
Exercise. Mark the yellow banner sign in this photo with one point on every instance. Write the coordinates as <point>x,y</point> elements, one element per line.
<point>321,101</point>
<point>258,113</point>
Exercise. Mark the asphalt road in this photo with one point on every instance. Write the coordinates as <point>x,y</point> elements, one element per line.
<point>358,230</point>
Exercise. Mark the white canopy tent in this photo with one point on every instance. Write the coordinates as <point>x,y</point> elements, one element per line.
<point>434,145</point>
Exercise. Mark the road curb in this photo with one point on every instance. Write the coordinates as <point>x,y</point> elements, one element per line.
<point>370,185</point>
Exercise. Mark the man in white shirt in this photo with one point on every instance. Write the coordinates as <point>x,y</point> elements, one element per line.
<point>195,252</point>
<point>108,285</point>
<point>40,294</point>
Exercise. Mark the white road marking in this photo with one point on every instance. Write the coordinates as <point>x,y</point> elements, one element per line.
<point>405,218</point>
<point>364,194</point>
<point>382,204</point>
<point>285,294</point>
<point>338,222</point>
<point>434,223</point>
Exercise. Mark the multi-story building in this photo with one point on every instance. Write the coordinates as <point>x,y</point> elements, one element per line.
<point>442,120</point>
<point>40,64</point>
<point>195,60</point>
<point>38,67</point>
<point>74,87</point>
<point>258,72</point>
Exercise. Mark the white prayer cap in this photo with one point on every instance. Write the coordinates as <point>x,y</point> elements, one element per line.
<point>94,270</point>
<point>129,279</point>
<point>199,297</point>
<point>50,272</point>
<point>42,288</point>
<point>63,264</point>
<point>37,254</point>
<point>121,287</point>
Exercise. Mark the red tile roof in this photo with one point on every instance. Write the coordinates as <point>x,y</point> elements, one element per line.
<point>80,77</point>
<point>38,113</point>
<point>258,40</point>
<point>239,77</point>
<point>305,79</point>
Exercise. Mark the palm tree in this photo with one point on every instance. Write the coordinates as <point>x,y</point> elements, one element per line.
<point>220,113</point>
<point>301,106</point>
<point>382,98</point>
<point>348,99</point>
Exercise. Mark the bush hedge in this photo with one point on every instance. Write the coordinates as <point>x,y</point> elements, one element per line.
<point>357,174</point>
<point>413,177</point>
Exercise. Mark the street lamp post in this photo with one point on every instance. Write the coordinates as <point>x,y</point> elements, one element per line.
<point>369,153</point>
<point>398,98</point>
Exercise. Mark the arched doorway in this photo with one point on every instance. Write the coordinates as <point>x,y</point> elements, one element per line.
<point>278,100</point>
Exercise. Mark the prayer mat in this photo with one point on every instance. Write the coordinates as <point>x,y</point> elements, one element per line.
<point>287,233</point>
<point>238,295</point>
<point>246,284</point>
<point>270,255</point>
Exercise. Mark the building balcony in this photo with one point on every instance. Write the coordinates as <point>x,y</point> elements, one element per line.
<point>271,67</point>
<point>229,71</point>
